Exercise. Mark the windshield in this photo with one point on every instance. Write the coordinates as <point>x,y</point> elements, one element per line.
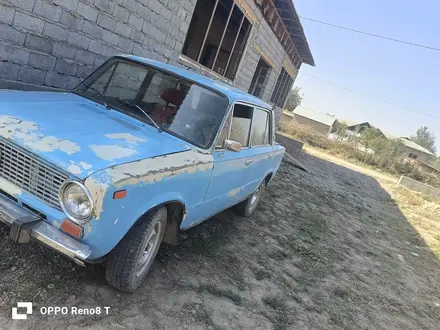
<point>177,106</point>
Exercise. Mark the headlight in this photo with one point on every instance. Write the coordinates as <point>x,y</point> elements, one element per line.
<point>76,201</point>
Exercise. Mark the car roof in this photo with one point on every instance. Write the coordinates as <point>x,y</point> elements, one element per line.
<point>232,93</point>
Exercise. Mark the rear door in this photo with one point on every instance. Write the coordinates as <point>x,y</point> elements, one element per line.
<point>261,145</point>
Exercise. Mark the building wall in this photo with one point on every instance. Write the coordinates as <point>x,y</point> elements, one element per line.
<point>421,156</point>
<point>59,42</point>
<point>319,127</point>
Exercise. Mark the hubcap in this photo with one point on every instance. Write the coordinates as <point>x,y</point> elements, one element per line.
<point>149,248</point>
<point>255,196</point>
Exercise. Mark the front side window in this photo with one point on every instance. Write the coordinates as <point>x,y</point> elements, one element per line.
<point>217,36</point>
<point>260,128</point>
<point>241,124</point>
<point>179,107</point>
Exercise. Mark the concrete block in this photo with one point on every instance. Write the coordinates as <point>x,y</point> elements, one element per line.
<point>10,35</point>
<point>9,70</point>
<point>42,61</point>
<point>73,82</point>
<point>6,14</point>
<point>44,9</point>
<point>125,44</point>
<point>31,75</point>
<point>55,31</point>
<point>58,80</point>
<point>84,71</point>
<point>85,57</point>
<point>155,6</point>
<point>123,29</point>
<point>22,4</point>
<point>72,21</point>
<point>63,50</point>
<point>66,67</point>
<point>105,6</point>
<point>68,4</point>
<point>78,40</point>
<point>25,21</point>
<point>121,13</point>
<point>88,12</point>
<point>110,37</point>
<point>98,47</point>
<point>14,54</point>
<point>136,22</point>
<point>137,36</point>
<point>42,44</point>
<point>131,5</point>
<point>144,12</point>
<point>92,30</point>
<point>106,22</point>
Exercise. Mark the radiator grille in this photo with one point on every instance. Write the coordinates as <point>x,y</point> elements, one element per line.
<point>30,174</point>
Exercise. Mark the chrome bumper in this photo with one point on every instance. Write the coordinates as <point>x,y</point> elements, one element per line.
<point>26,225</point>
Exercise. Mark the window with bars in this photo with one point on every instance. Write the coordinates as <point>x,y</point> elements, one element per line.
<point>282,88</point>
<point>217,36</point>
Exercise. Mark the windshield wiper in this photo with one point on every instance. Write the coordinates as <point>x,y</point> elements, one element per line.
<point>140,109</point>
<point>104,102</point>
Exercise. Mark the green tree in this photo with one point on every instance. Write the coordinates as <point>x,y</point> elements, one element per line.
<point>294,99</point>
<point>425,138</point>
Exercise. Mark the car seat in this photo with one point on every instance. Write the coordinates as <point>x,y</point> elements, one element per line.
<point>164,114</point>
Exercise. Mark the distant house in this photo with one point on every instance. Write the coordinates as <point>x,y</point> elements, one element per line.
<point>412,149</point>
<point>416,151</point>
<point>320,122</point>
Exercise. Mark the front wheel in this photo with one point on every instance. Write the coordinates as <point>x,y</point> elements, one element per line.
<point>249,205</point>
<point>130,261</point>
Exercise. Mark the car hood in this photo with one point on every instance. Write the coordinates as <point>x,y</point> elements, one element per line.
<point>77,134</point>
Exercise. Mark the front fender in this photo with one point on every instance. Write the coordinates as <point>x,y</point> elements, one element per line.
<point>182,177</point>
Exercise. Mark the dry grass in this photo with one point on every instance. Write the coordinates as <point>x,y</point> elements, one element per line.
<point>388,159</point>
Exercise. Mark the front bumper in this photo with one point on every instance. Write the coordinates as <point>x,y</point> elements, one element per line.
<point>26,225</point>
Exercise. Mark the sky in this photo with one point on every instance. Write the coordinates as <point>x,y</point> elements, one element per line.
<point>401,74</point>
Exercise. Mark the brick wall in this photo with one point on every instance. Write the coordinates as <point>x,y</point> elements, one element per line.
<point>59,42</point>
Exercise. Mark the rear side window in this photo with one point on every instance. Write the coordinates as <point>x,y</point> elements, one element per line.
<point>260,128</point>
<point>241,124</point>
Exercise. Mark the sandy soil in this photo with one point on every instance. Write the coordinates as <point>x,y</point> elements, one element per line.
<point>328,249</point>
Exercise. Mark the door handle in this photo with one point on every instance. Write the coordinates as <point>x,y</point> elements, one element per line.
<point>248,162</point>
<point>271,155</point>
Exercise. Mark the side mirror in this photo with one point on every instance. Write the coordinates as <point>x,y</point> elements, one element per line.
<point>232,145</point>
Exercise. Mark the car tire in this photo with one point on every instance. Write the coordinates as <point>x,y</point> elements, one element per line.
<point>249,205</point>
<point>130,261</point>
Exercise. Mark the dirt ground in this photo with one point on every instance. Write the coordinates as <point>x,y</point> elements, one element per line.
<point>328,249</point>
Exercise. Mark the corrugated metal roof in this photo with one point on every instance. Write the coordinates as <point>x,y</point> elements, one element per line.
<point>415,146</point>
<point>320,117</point>
<point>408,143</point>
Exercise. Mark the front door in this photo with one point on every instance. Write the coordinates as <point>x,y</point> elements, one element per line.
<point>231,179</point>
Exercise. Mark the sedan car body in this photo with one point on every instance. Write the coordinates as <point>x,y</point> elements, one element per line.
<point>138,151</point>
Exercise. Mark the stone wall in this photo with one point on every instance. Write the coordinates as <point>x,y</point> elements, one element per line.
<point>59,42</point>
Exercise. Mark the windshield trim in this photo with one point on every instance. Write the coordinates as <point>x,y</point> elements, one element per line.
<point>120,109</point>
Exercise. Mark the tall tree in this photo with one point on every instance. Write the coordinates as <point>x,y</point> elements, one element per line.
<point>425,138</point>
<point>294,99</point>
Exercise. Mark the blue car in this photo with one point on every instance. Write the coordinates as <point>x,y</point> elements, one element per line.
<point>137,152</point>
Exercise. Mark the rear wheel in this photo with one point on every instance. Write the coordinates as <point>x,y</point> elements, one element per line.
<point>248,206</point>
<point>129,263</point>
